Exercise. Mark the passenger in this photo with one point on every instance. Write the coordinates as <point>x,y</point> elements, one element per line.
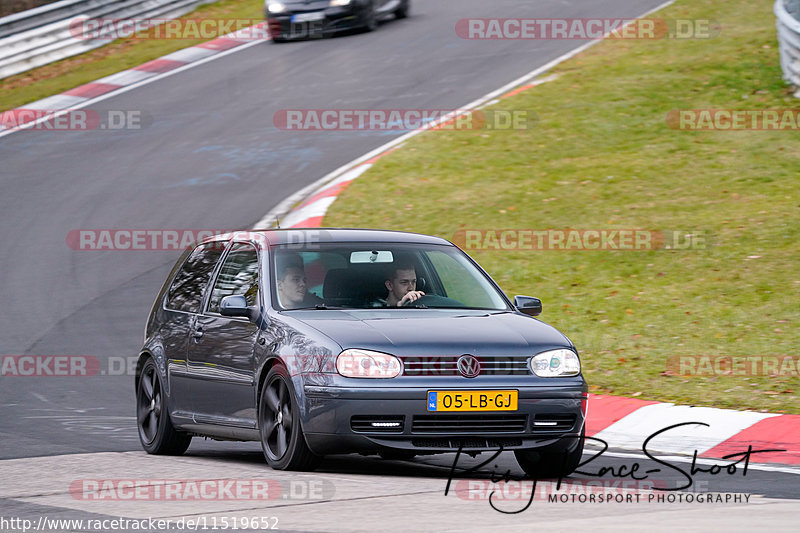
<point>293,284</point>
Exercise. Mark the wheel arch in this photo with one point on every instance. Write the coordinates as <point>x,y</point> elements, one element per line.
<point>157,355</point>
<point>144,355</point>
<point>262,377</point>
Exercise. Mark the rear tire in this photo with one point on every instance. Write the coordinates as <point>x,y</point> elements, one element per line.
<point>402,11</point>
<point>371,18</point>
<point>282,438</point>
<point>548,464</point>
<point>156,432</point>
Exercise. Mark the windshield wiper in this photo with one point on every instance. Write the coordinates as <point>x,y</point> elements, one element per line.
<point>317,306</point>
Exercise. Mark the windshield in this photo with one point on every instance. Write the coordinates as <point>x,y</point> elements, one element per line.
<point>365,276</point>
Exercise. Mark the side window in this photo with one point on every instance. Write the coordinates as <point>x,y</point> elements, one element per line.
<point>186,291</point>
<point>238,275</point>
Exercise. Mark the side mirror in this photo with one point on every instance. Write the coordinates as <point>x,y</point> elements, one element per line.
<point>528,305</point>
<point>234,305</point>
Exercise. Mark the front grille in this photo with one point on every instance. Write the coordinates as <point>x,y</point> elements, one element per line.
<point>468,423</point>
<point>549,423</point>
<point>377,423</point>
<point>447,366</point>
<point>466,443</point>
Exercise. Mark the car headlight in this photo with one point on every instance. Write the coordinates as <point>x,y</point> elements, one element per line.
<point>356,363</point>
<point>274,7</point>
<point>339,3</point>
<point>556,363</point>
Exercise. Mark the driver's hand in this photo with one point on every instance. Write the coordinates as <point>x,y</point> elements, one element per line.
<point>410,297</point>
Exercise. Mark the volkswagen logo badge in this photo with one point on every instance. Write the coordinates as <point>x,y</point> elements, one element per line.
<point>468,366</point>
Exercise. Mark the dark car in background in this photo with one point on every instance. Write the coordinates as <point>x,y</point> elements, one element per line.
<point>293,338</point>
<point>288,19</point>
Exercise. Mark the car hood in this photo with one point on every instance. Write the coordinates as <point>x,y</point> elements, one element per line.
<point>417,332</point>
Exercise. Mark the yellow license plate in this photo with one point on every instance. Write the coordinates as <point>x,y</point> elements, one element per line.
<point>459,400</point>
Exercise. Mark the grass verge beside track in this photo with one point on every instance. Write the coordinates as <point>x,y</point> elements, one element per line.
<point>122,54</point>
<point>603,157</point>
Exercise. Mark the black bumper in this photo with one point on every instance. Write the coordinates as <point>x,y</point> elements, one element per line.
<point>335,20</point>
<point>340,420</point>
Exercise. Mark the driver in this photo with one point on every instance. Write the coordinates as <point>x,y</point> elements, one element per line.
<point>293,284</point>
<point>401,282</point>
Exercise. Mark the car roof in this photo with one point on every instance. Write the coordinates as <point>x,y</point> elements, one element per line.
<point>276,237</point>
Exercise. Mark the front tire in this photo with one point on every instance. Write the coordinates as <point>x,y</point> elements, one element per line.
<point>551,464</point>
<point>156,432</point>
<point>282,438</point>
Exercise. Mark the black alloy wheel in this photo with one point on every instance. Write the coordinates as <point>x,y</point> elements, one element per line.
<point>282,437</point>
<point>156,432</point>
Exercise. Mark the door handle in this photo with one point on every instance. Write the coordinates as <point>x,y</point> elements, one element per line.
<point>198,333</point>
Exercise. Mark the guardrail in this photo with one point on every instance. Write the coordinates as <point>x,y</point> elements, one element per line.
<point>788,22</point>
<point>35,37</point>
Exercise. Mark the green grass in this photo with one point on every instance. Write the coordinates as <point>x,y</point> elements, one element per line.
<point>121,54</point>
<point>602,156</point>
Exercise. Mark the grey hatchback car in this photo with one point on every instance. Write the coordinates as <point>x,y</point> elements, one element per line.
<point>328,341</point>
